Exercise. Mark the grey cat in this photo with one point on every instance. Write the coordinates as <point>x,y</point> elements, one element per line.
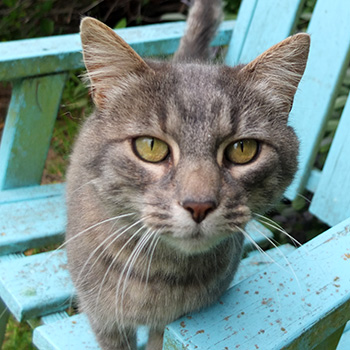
<point>176,159</point>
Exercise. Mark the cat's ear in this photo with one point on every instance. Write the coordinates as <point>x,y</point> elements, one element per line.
<point>278,70</point>
<point>109,60</point>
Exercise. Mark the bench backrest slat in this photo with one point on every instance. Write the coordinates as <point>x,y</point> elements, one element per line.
<point>329,56</point>
<point>331,201</point>
<point>60,53</point>
<point>28,130</point>
<point>256,32</point>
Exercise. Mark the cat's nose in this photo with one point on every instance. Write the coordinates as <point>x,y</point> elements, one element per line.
<point>199,210</point>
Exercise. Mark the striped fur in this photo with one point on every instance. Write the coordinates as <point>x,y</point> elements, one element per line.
<point>136,254</point>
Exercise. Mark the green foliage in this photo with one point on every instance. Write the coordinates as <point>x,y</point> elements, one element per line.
<point>22,18</point>
<point>18,336</point>
<point>231,6</point>
<point>333,121</point>
<point>306,15</point>
<point>121,24</point>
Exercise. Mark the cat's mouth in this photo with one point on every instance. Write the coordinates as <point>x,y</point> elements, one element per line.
<point>193,243</point>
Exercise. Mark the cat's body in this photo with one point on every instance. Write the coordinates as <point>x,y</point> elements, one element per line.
<point>157,201</point>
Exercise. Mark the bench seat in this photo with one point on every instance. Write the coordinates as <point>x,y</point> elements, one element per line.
<point>31,217</point>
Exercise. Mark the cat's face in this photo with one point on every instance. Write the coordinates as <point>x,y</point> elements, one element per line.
<point>193,150</point>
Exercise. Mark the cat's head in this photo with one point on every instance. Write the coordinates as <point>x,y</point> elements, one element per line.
<point>192,149</point>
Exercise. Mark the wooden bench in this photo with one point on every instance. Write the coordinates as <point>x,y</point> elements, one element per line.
<point>296,299</point>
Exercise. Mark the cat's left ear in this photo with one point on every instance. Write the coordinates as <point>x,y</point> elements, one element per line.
<point>109,60</point>
<point>278,70</point>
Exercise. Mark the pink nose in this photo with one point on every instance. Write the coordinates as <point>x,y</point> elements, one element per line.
<point>199,210</point>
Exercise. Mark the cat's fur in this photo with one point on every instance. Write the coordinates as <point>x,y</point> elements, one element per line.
<point>136,252</point>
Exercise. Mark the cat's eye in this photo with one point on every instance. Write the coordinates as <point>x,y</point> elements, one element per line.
<point>150,149</point>
<point>242,152</point>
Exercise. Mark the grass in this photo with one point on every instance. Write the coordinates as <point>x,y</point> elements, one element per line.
<point>18,336</point>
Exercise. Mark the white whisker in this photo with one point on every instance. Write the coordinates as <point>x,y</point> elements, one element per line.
<point>84,231</point>
<point>154,242</point>
<point>118,254</point>
<point>304,197</point>
<point>267,221</point>
<point>125,274</point>
<point>246,235</point>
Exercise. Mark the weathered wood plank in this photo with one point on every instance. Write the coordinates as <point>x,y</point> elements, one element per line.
<point>331,202</point>
<point>31,57</point>
<point>67,334</point>
<point>294,307</point>
<point>256,33</point>
<point>329,56</point>
<point>239,35</point>
<point>37,285</point>
<point>31,193</point>
<point>31,224</point>
<point>28,129</point>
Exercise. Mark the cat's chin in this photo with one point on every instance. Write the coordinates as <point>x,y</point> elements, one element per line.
<point>195,244</point>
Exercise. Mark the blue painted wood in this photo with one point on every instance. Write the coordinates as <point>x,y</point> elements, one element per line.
<point>239,35</point>
<point>329,56</point>
<point>257,261</point>
<point>57,316</point>
<point>30,224</point>
<point>28,129</point>
<point>37,285</point>
<point>67,334</point>
<point>294,307</point>
<point>331,202</point>
<point>344,343</point>
<point>31,57</point>
<point>313,180</point>
<point>258,21</point>
<point>31,193</point>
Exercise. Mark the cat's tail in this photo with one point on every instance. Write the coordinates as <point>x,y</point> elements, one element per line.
<point>202,23</point>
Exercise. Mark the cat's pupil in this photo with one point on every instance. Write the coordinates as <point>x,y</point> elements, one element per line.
<point>152,144</point>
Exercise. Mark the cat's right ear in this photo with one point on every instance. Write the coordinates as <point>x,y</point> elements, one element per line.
<point>109,60</point>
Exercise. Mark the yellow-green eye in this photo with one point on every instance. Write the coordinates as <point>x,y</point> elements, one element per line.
<point>151,149</point>
<point>242,152</point>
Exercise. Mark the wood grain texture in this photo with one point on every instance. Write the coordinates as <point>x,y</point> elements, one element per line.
<point>32,223</point>
<point>66,334</point>
<point>28,129</point>
<point>31,57</point>
<point>37,285</point>
<point>31,193</point>
<point>331,202</point>
<point>254,33</point>
<point>329,56</point>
